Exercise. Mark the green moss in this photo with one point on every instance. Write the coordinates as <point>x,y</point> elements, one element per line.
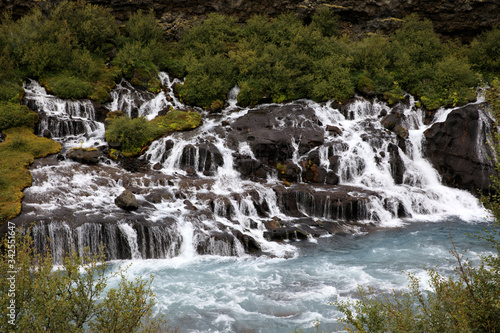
<point>133,135</point>
<point>281,168</point>
<point>15,115</point>
<point>114,154</point>
<point>18,151</point>
<point>178,121</point>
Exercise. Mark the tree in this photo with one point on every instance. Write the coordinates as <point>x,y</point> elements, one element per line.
<point>467,301</point>
<point>37,297</point>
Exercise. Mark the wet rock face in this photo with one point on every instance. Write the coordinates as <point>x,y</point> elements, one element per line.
<point>127,201</point>
<point>270,130</point>
<point>83,155</point>
<point>457,148</point>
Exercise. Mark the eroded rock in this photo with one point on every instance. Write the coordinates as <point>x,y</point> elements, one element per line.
<point>127,201</point>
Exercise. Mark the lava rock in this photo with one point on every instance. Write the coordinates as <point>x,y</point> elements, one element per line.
<point>84,155</point>
<point>334,129</point>
<point>457,148</point>
<point>127,201</point>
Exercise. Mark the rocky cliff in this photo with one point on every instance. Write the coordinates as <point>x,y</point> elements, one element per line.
<point>462,18</point>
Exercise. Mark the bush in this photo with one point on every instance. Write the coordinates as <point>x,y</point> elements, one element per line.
<point>144,28</point>
<point>92,26</point>
<point>484,52</point>
<point>12,115</point>
<point>325,21</point>
<point>131,134</point>
<point>208,79</point>
<point>72,298</point>
<point>69,87</point>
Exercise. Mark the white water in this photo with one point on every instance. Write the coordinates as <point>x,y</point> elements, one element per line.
<point>362,150</point>
<point>274,295</point>
<point>191,207</point>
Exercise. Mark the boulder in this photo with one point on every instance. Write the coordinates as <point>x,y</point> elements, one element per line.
<point>127,201</point>
<point>457,148</point>
<point>84,155</point>
<point>334,130</point>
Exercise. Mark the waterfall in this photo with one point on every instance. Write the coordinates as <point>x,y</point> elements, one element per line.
<point>218,190</point>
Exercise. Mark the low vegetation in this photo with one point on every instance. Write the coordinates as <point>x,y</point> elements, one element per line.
<point>75,297</point>
<point>18,151</point>
<point>132,135</point>
<point>282,59</point>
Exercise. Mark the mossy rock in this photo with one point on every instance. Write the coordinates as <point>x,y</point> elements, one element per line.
<point>216,106</point>
<point>83,155</point>
<point>178,120</point>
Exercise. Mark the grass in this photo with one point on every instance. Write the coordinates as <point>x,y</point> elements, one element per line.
<point>18,151</point>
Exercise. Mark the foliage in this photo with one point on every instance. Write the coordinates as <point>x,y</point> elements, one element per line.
<point>325,21</point>
<point>68,87</point>
<point>484,52</point>
<point>92,26</point>
<point>134,134</point>
<point>131,134</point>
<point>467,301</point>
<point>21,146</point>
<point>144,27</point>
<point>282,59</point>
<point>69,50</point>
<point>72,298</point>
<point>12,115</point>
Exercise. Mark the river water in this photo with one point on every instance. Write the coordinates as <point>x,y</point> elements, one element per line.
<point>246,294</point>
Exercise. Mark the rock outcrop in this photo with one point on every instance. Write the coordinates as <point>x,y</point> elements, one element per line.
<point>457,148</point>
<point>84,155</point>
<point>127,201</point>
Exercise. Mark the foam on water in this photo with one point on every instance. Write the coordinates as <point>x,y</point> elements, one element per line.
<point>216,294</point>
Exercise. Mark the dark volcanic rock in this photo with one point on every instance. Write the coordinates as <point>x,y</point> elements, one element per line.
<point>396,163</point>
<point>83,155</point>
<point>270,131</point>
<point>127,201</point>
<point>457,148</point>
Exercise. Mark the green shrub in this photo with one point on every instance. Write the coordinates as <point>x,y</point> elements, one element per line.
<point>208,79</point>
<point>92,26</point>
<point>69,87</point>
<point>131,134</point>
<point>325,21</point>
<point>144,28</point>
<point>12,115</point>
<point>484,52</point>
<point>132,56</point>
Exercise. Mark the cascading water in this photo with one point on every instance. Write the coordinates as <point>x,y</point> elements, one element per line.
<point>304,170</point>
<point>279,181</point>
